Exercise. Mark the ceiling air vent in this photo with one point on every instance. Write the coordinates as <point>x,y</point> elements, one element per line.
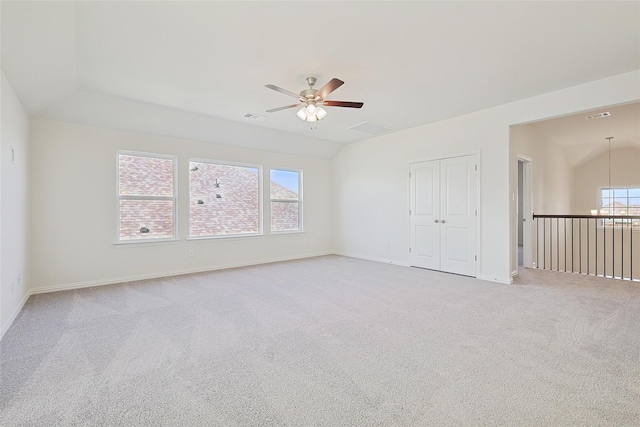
<point>598,115</point>
<point>371,128</point>
<point>254,117</point>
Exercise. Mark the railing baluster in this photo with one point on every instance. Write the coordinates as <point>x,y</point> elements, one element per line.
<point>544,244</point>
<point>606,223</point>
<point>537,240</point>
<point>557,245</point>
<point>565,245</point>
<point>573,256</point>
<point>588,243</point>
<point>604,247</point>
<point>580,243</point>
<point>550,243</point>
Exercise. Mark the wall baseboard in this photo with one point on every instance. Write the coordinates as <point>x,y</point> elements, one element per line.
<point>366,258</point>
<point>15,315</point>
<point>503,280</point>
<point>115,280</point>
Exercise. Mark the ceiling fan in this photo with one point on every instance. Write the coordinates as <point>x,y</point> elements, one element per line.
<point>312,100</point>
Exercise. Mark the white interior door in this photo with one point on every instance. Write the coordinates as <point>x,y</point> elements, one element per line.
<point>443,215</point>
<point>424,215</point>
<point>458,215</point>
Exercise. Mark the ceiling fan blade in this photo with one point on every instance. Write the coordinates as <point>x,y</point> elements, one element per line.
<point>329,87</point>
<point>273,110</point>
<point>343,104</point>
<point>286,92</point>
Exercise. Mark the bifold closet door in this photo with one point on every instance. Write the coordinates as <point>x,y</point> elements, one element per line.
<point>443,215</point>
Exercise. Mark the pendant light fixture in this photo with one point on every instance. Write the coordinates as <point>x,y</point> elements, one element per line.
<point>608,207</point>
<point>609,138</point>
<point>610,195</point>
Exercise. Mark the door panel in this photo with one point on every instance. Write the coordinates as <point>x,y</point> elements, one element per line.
<point>456,192</point>
<point>425,181</point>
<point>456,244</point>
<point>458,218</point>
<point>424,200</point>
<point>425,238</point>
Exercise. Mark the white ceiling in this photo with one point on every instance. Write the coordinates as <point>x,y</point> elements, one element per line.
<point>189,68</point>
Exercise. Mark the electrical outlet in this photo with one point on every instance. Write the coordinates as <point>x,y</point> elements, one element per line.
<point>191,252</point>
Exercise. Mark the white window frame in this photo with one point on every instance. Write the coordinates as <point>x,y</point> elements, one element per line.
<point>621,223</point>
<point>174,198</point>
<point>260,199</point>
<point>300,228</point>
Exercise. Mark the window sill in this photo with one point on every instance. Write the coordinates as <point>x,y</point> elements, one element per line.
<point>286,232</point>
<point>145,242</point>
<point>226,236</point>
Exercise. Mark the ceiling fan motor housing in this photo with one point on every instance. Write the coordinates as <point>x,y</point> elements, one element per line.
<point>308,94</point>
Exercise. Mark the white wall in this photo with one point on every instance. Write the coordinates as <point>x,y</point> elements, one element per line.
<point>73,192</point>
<point>14,206</point>
<point>557,181</point>
<point>371,177</point>
<point>552,177</point>
<point>594,174</point>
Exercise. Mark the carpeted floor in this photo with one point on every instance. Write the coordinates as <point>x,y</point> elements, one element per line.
<point>329,341</point>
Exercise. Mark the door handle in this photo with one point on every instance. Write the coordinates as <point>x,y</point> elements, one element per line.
<point>442,221</point>
<point>437,221</point>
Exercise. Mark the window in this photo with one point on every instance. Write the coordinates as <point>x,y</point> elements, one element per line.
<point>285,194</point>
<point>224,199</point>
<point>620,202</point>
<point>146,197</point>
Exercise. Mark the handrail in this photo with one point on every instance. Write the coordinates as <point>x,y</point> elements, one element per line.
<point>586,216</point>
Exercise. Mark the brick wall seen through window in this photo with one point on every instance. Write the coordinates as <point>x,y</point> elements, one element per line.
<point>224,199</point>
<point>146,197</point>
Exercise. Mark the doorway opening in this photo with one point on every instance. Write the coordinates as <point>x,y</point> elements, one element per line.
<point>524,219</point>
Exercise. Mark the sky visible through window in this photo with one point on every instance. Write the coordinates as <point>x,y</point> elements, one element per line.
<point>286,179</point>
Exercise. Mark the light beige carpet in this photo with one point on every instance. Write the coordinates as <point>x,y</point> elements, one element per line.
<point>329,341</point>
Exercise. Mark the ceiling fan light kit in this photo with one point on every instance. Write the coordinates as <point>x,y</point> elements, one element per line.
<point>311,113</point>
<point>312,100</point>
